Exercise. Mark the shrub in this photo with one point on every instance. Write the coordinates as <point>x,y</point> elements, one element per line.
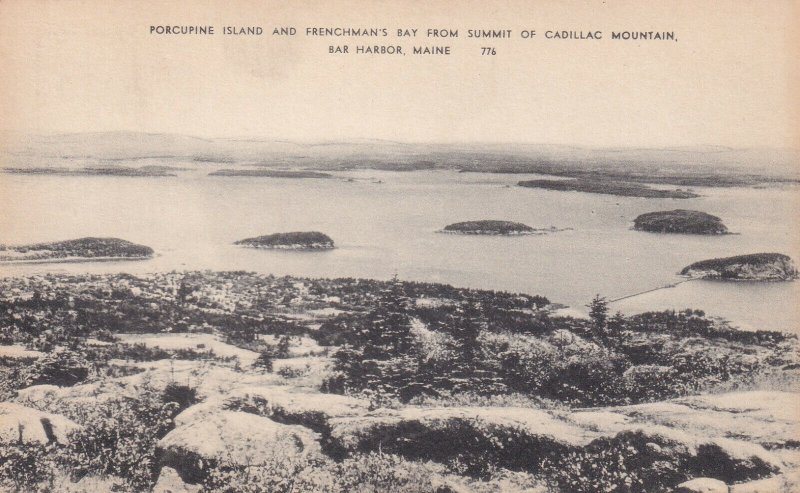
<point>119,436</point>
<point>26,467</point>
<point>264,361</point>
<point>182,395</point>
<point>61,367</point>
<point>365,473</point>
<point>628,463</point>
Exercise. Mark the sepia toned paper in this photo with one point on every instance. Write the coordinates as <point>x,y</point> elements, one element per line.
<point>399,246</point>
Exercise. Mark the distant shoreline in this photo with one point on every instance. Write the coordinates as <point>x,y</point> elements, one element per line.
<point>69,260</point>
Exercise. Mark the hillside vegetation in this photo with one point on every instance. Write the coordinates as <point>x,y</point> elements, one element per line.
<point>295,384</point>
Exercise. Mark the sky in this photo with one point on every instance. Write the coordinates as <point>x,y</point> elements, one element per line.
<point>86,66</point>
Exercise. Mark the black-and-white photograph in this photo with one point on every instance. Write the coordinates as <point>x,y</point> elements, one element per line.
<point>434,247</point>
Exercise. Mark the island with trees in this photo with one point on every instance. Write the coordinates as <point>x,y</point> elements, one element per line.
<point>81,249</point>
<point>489,227</point>
<point>296,240</point>
<point>680,221</point>
<point>270,173</point>
<point>752,267</point>
<point>608,187</point>
<point>124,171</point>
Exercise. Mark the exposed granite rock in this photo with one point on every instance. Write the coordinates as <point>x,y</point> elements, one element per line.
<point>702,485</point>
<point>24,425</point>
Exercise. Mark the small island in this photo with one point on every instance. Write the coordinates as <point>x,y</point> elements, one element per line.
<point>127,171</point>
<point>270,173</point>
<point>623,189</point>
<point>680,221</point>
<point>490,227</point>
<point>297,240</point>
<point>81,249</point>
<point>753,267</point>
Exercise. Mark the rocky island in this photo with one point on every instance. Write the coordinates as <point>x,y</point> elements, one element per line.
<point>488,227</point>
<point>270,173</point>
<point>127,171</point>
<point>680,221</point>
<point>297,240</point>
<point>753,267</point>
<point>95,249</point>
<point>623,189</point>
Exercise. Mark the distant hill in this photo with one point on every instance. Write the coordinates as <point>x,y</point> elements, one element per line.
<point>680,166</point>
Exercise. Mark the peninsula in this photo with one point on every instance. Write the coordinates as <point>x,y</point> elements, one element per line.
<point>680,221</point>
<point>753,267</point>
<point>95,249</point>
<point>297,240</point>
<point>623,189</point>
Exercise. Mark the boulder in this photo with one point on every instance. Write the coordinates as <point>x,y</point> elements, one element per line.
<point>782,483</point>
<point>169,481</point>
<point>24,425</point>
<point>702,485</point>
<point>231,438</point>
<point>293,404</point>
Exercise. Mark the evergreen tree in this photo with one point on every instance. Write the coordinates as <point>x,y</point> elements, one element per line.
<point>598,312</point>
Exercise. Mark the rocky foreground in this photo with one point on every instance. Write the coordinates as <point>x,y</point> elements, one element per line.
<point>231,381</point>
<point>750,438</point>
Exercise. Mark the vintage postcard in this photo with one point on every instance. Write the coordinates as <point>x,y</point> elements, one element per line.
<point>408,247</point>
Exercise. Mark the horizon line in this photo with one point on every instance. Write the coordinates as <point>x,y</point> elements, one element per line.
<point>314,141</point>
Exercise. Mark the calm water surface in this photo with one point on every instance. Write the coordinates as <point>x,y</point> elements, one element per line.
<point>385,223</point>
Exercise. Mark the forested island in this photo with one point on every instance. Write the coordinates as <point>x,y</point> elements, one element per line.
<point>232,381</point>
<point>680,221</point>
<point>270,173</point>
<point>488,227</point>
<point>88,248</point>
<point>752,267</point>
<point>606,187</point>
<point>297,240</point>
<point>144,171</point>
<point>496,228</point>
